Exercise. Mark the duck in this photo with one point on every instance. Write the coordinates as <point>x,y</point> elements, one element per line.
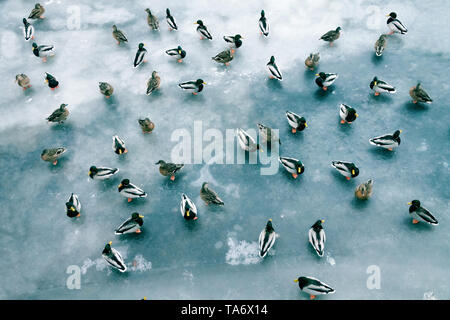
<point>169,169</point>
<point>37,12</point>
<point>313,286</point>
<point>73,206</point>
<point>171,21</point>
<point>419,213</point>
<point>51,81</point>
<point>23,81</point>
<point>153,83</point>
<point>364,190</point>
<point>380,45</point>
<point>312,60</point>
<point>380,86</point>
<point>188,208</point>
<point>331,35</point>
<point>147,125</point>
<point>53,154</point>
<point>139,58</point>
<point>419,94</point>
<point>118,145</point>
<point>388,141</point>
<point>246,142</point>
<point>395,25</point>
<point>325,80</point>
<point>210,196</point>
<point>347,113</point>
<point>263,25</point>
<point>234,40</point>
<point>178,53</point>
<point>202,30</point>
<point>292,165</point>
<point>60,114</point>
<point>267,239</point>
<point>297,122</point>
<point>224,57</point>
<point>268,134</point>
<point>101,173</point>
<point>194,86</point>
<point>118,35</point>
<point>274,72</point>
<point>152,20</point>
<point>130,191</point>
<point>28,30</point>
<point>43,51</point>
<point>347,169</point>
<point>106,89</point>
<point>131,225</point>
<point>113,258</point>
<point>317,237</point>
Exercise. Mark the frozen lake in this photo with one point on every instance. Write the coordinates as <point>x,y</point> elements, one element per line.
<point>216,257</point>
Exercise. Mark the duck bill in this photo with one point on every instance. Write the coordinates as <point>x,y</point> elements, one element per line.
<point>141,216</point>
<point>296,280</point>
<point>119,186</point>
<point>409,203</point>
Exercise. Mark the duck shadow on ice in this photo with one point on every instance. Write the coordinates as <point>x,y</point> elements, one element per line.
<point>382,98</point>
<point>189,97</point>
<point>321,94</point>
<point>413,108</point>
<point>309,75</point>
<point>376,60</point>
<point>274,84</point>
<point>382,153</point>
<point>343,127</point>
<point>111,102</point>
<point>359,204</point>
<point>421,226</point>
<point>348,184</point>
<point>65,127</point>
<point>108,184</point>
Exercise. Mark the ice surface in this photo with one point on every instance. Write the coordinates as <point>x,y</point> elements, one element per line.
<point>212,258</point>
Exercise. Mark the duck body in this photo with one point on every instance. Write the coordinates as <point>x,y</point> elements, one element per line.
<point>325,80</point>
<point>118,35</point>
<point>23,81</point>
<point>153,83</point>
<point>131,225</point>
<point>152,20</point>
<point>224,57</point>
<point>380,45</point>
<point>73,206</point>
<point>364,190</point>
<point>169,169</point>
<point>268,134</point>
<point>113,258</point>
<point>380,86</point>
<point>37,12</point>
<point>292,165</point>
<point>313,286</point>
<point>28,30</point>
<point>188,208</point>
<point>118,145</point>
<point>331,35</point>
<point>171,20</point>
<point>347,169</point>
<point>210,196</point>
<point>263,25</point>
<point>43,51</point>
<point>59,115</point>
<point>234,40</point>
<point>395,25</point>
<point>419,94</point>
<point>297,122</point>
<point>53,154</point>
<point>193,86</point>
<point>101,173</point>
<point>317,237</point>
<point>419,213</point>
<point>347,113</point>
<point>274,72</point>
<point>246,142</point>
<point>106,89</point>
<point>177,53</point>
<point>140,54</point>
<point>203,31</point>
<point>388,141</point>
<point>51,81</point>
<point>130,191</point>
<point>147,125</point>
<point>312,60</point>
<point>267,239</point>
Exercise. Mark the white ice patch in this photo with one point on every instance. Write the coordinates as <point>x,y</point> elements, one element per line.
<point>140,264</point>
<point>330,260</point>
<point>242,252</point>
<point>429,295</point>
<point>100,265</point>
<point>423,147</point>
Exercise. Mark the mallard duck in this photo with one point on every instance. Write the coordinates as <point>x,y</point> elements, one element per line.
<point>178,53</point>
<point>347,169</point>
<point>419,213</point>
<point>297,122</point>
<point>263,25</point>
<point>147,126</point>
<point>23,81</point>
<point>37,12</point>
<point>202,30</point>
<point>118,145</point>
<point>171,21</point>
<point>347,113</point>
<point>28,30</point>
<point>419,94</point>
<point>364,190</point>
<point>395,25</point>
<point>292,165</point>
<point>106,89</point>
<point>118,35</point>
<point>325,80</point>
<point>224,57</point>
<point>380,45</point>
<point>267,239</point>
<point>388,141</point>
<point>43,51</point>
<point>209,196</point>
<point>139,58</point>
<point>113,258</point>
<point>246,142</point>
<point>331,35</point>
<point>317,237</point>
<point>152,20</point>
<point>274,72</point>
<point>188,208</point>
<point>312,60</point>
<point>51,81</point>
<point>313,287</point>
<point>73,206</point>
<point>130,191</point>
<point>153,83</point>
<point>169,169</point>
<point>131,225</point>
<point>380,86</point>
<point>268,134</point>
<point>101,173</point>
<point>53,154</point>
<point>59,115</point>
<point>194,86</point>
<point>235,40</point>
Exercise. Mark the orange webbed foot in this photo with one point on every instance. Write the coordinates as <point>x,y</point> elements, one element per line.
<point>295,175</point>
<point>342,121</point>
<point>325,88</point>
<point>415,221</point>
<point>55,162</point>
<point>312,296</point>
<point>130,199</point>
<point>348,178</point>
<point>172,177</point>
<point>294,130</point>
